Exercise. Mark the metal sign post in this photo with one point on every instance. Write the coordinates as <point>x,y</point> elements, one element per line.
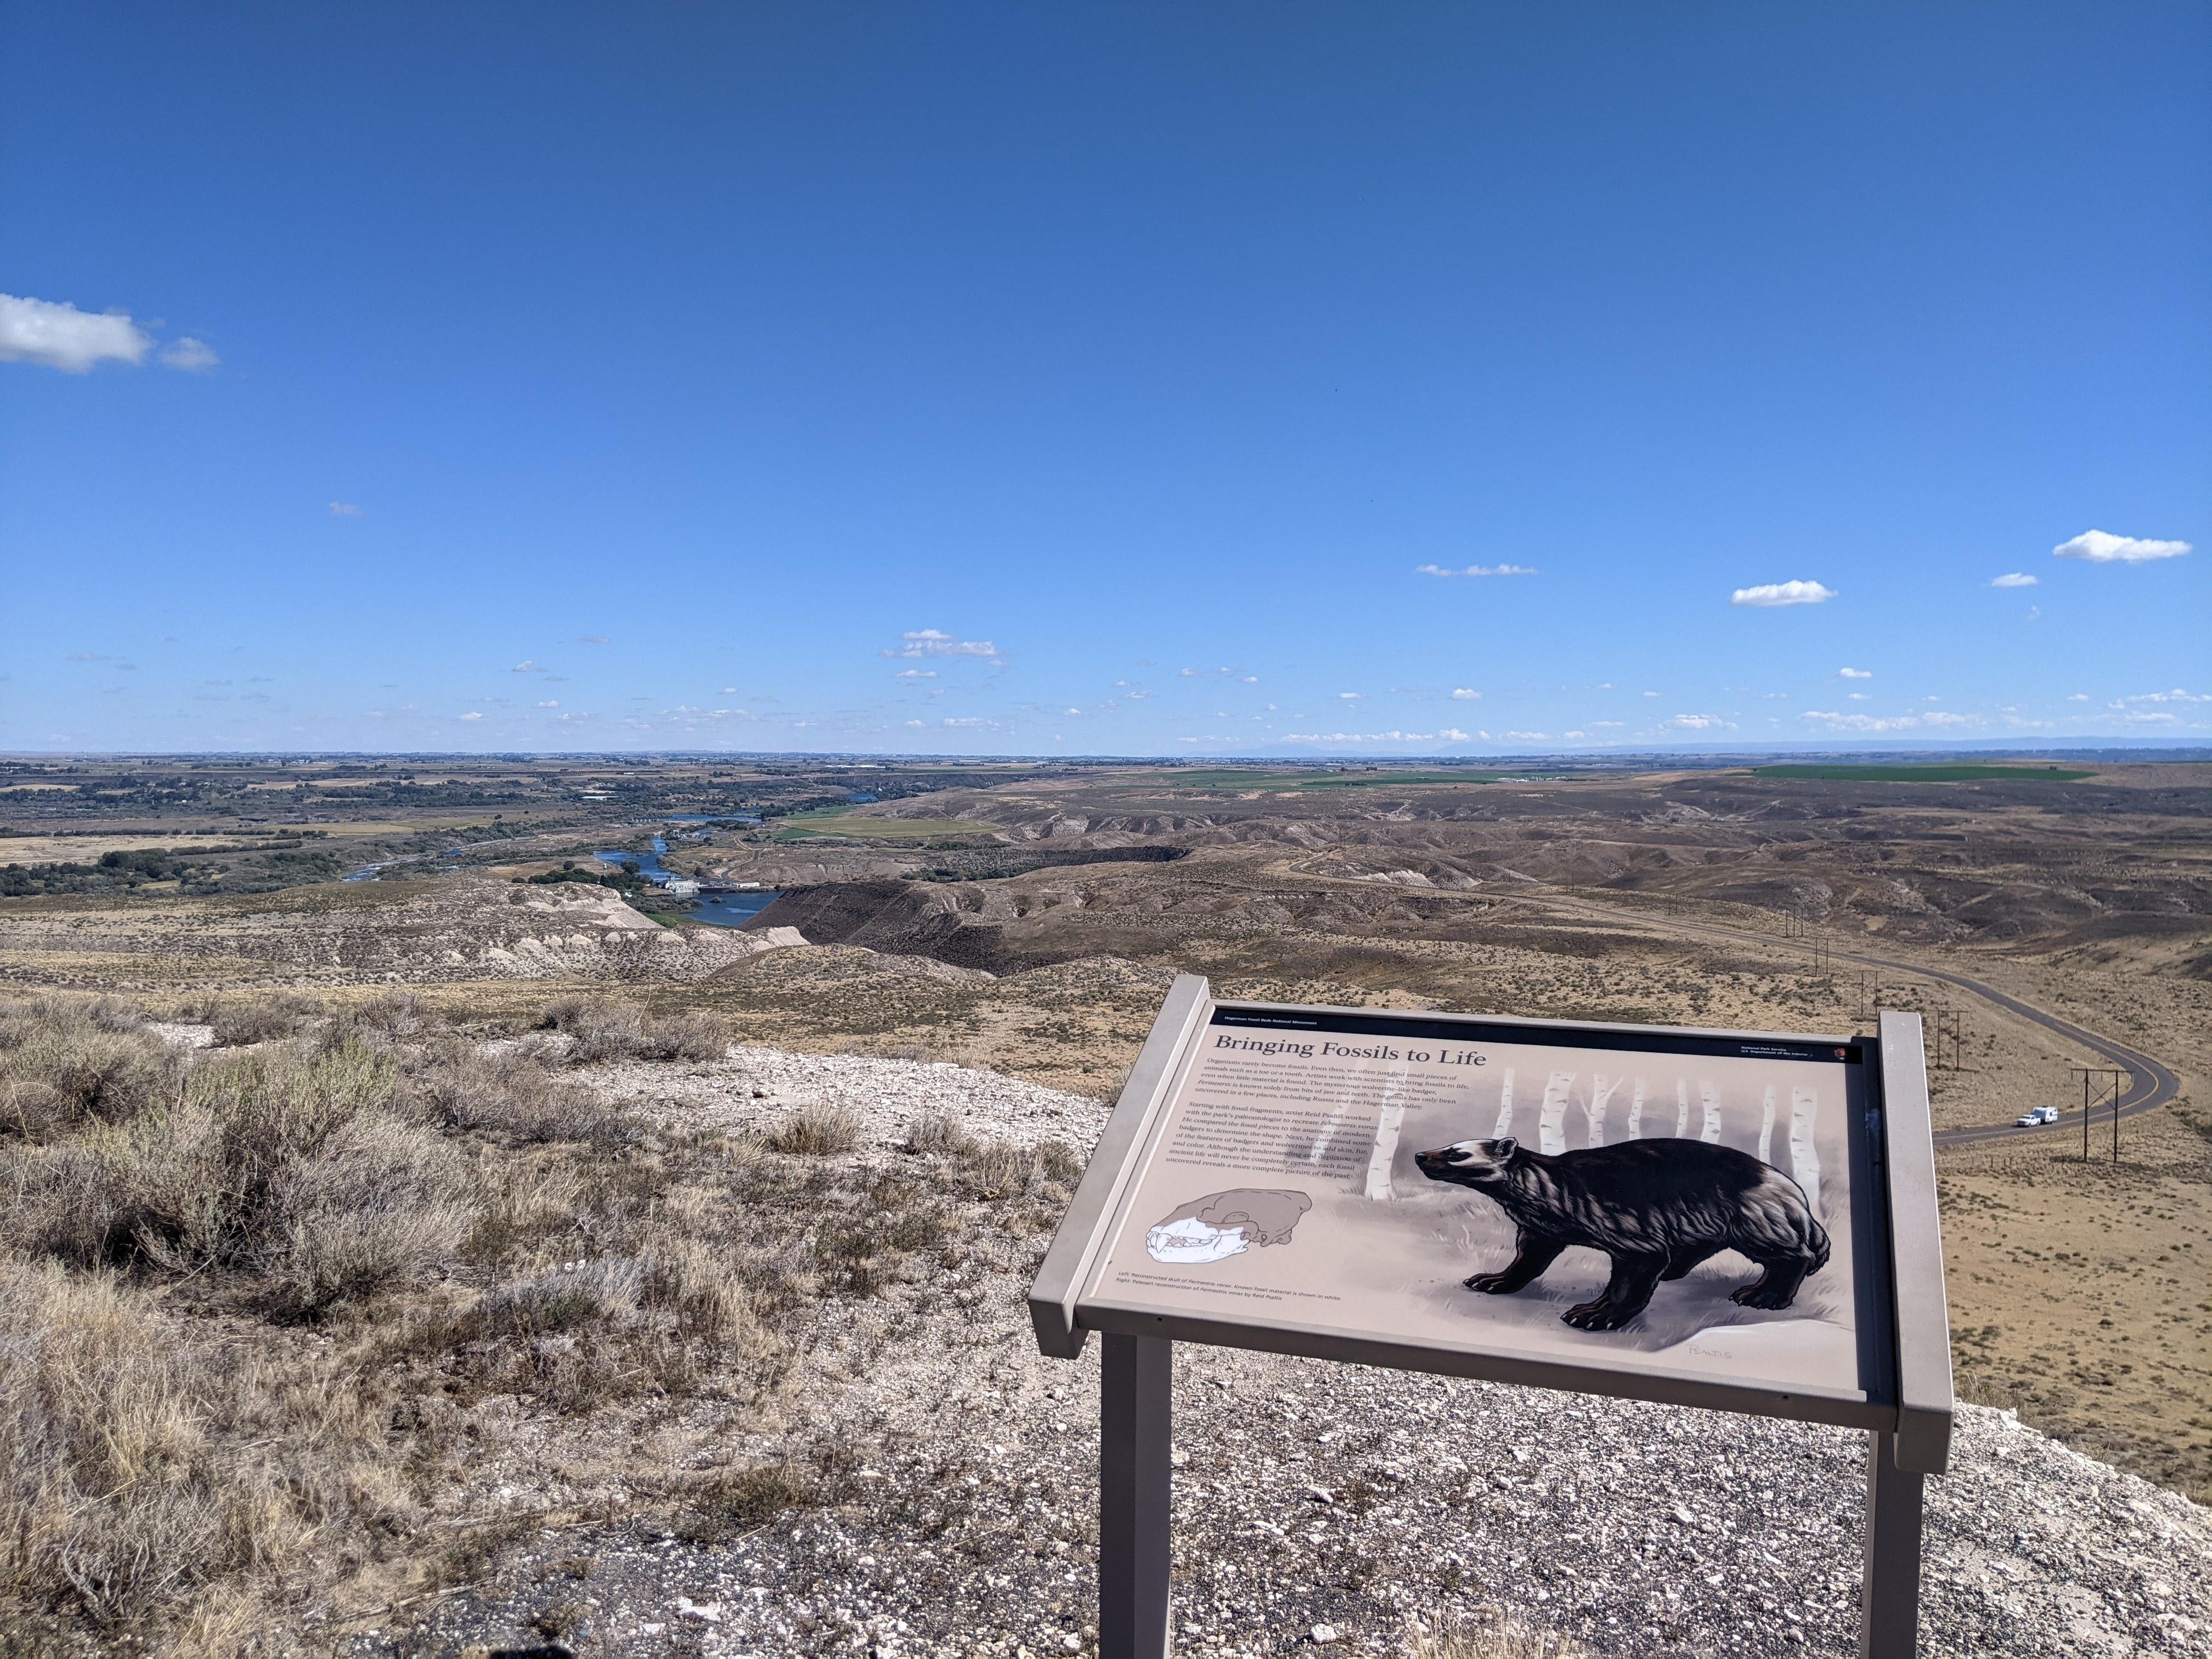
<point>1258,1186</point>
<point>1135,1467</point>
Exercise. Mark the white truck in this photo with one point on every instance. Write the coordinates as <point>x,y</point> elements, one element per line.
<point>2035,1116</point>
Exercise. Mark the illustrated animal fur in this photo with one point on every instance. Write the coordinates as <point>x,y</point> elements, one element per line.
<point>1657,1208</point>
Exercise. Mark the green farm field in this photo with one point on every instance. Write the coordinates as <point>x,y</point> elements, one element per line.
<point>1931,774</point>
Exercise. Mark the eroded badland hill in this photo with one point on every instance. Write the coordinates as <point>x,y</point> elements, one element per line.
<point>483,1250</point>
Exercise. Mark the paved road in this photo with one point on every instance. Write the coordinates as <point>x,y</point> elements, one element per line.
<point>2150,1085</point>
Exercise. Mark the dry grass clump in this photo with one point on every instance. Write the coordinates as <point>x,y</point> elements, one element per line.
<point>64,1065</point>
<point>577,1335</point>
<point>937,1134</point>
<point>139,1465</point>
<point>1000,1169</point>
<point>728,1504</point>
<point>286,1169</point>
<point>602,1030</point>
<point>1488,1632</point>
<point>815,1130</point>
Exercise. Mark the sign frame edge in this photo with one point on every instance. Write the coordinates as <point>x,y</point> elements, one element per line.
<point>1066,1264</point>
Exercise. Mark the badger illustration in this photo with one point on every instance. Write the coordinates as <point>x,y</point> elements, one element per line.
<point>1657,1208</point>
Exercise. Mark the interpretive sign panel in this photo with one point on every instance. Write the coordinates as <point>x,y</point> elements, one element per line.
<point>1726,1218</point>
<point>1695,1216</point>
<point>1410,1180</point>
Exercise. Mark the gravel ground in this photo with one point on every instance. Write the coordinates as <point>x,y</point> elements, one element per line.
<point>1315,1504</point>
<point>758,1085</point>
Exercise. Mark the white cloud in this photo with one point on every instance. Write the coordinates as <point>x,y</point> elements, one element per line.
<point>525,666</point>
<point>967,720</point>
<point>1774,593</point>
<point>916,722</point>
<point>1449,734</point>
<point>915,674</point>
<point>2014,579</point>
<point>187,353</point>
<point>345,510</point>
<point>1938,718</point>
<point>1351,696</point>
<point>1464,694</point>
<point>1528,736</point>
<point>472,715</point>
<point>1474,570</point>
<point>1700,723</point>
<point>593,639</point>
<point>936,642</point>
<point>551,702</point>
<point>1650,693</point>
<point>1248,679</point>
<point>1860,696</point>
<point>2098,548</point>
<point>1606,725</point>
<point>2175,695</point>
<point>1855,673</point>
<point>2079,697</point>
<point>60,336</point>
<point>1840,722</point>
<point>2154,718</point>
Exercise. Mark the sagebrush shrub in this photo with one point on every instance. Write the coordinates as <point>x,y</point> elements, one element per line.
<point>512,1096</point>
<point>261,1019</point>
<point>64,1065</point>
<point>283,1166</point>
<point>602,1030</point>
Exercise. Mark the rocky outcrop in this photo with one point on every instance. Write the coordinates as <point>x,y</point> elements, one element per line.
<point>425,934</point>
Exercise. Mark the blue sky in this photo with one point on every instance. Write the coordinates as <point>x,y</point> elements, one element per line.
<point>1088,379</point>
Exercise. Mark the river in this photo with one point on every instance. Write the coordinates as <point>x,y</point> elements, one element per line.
<point>719,910</point>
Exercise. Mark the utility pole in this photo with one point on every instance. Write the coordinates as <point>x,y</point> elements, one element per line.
<point>2116,1075</point>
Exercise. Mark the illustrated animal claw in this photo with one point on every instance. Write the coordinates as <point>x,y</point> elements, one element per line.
<point>1495,1284</point>
<point>1598,1315</point>
<point>1757,1296</point>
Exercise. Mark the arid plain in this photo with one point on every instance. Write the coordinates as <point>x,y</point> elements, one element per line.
<point>1023,920</point>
